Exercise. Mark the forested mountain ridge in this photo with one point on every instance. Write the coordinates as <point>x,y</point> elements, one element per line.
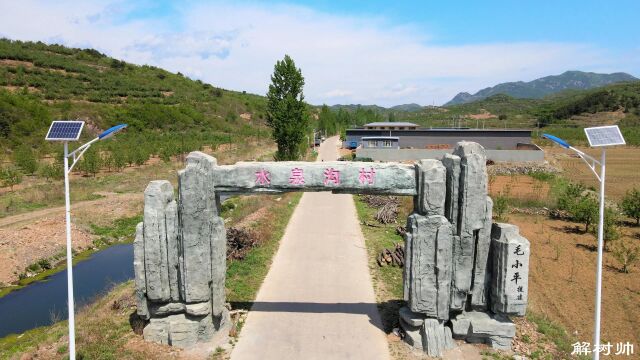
<point>539,88</point>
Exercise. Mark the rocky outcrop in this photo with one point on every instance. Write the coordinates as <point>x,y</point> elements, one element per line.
<point>459,266</point>
<point>179,288</point>
<point>510,280</point>
<point>430,271</point>
<point>482,327</point>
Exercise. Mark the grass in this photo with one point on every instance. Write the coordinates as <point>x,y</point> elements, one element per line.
<point>387,281</point>
<point>245,277</point>
<point>102,331</point>
<point>124,227</point>
<point>554,333</point>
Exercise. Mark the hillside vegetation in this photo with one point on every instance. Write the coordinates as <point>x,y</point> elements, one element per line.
<point>168,113</point>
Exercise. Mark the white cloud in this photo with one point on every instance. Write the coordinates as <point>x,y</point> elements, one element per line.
<point>343,59</point>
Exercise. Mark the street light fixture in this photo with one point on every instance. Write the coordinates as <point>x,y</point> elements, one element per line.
<point>601,136</point>
<point>67,131</point>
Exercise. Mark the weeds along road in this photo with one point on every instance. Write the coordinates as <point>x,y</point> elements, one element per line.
<point>317,301</point>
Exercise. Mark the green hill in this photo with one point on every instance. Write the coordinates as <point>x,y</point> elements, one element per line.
<point>167,112</point>
<point>539,88</point>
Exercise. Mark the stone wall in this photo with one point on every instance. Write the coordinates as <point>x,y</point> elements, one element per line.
<point>463,273</point>
<point>463,276</point>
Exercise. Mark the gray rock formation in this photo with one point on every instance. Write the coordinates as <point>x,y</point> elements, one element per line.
<point>430,275</point>
<point>431,177</point>
<point>179,258</point>
<point>469,275</point>
<point>197,213</point>
<point>481,280</point>
<point>427,334</point>
<point>472,215</point>
<point>481,327</point>
<point>510,281</point>
<point>452,164</point>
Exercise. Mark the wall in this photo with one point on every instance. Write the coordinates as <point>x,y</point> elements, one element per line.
<point>420,139</point>
<point>418,154</point>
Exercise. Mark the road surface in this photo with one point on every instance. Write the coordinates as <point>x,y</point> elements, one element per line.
<point>317,301</point>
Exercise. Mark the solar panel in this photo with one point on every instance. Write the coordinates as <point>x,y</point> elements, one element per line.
<point>604,136</point>
<point>64,130</point>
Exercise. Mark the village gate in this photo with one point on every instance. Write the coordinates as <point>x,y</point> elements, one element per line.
<point>463,277</point>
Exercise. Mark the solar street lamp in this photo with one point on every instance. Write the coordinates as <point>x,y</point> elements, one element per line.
<point>67,131</point>
<point>601,136</point>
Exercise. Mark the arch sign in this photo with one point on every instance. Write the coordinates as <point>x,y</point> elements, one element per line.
<point>463,277</point>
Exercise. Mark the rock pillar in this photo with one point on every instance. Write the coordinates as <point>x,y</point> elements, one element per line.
<point>179,258</point>
<point>463,274</point>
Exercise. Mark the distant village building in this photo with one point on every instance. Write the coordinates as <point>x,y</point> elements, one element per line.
<point>391,126</point>
<point>380,142</point>
<point>404,141</point>
<point>411,136</point>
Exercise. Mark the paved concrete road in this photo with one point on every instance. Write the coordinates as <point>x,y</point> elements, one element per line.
<point>317,301</point>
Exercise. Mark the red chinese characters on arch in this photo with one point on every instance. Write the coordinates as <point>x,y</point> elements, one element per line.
<point>297,176</point>
<point>263,177</point>
<point>331,175</point>
<point>367,177</point>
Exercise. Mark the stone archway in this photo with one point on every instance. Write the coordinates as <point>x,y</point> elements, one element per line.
<point>464,275</point>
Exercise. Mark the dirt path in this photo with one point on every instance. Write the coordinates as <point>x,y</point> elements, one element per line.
<point>317,301</point>
<point>106,204</point>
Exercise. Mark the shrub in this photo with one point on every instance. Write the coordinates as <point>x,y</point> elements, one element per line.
<point>25,159</point>
<point>44,264</point>
<point>542,175</point>
<point>611,229</point>
<point>10,177</point>
<point>626,256</point>
<point>51,171</point>
<point>501,207</point>
<point>631,205</point>
<point>585,211</point>
<point>569,195</point>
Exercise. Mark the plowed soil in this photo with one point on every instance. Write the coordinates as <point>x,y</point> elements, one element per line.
<point>562,280</point>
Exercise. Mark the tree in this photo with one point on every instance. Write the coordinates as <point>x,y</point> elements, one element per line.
<point>626,256</point>
<point>568,198</point>
<point>107,160</point>
<point>51,171</point>
<point>585,211</point>
<point>119,160</point>
<point>286,110</point>
<point>90,162</point>
<point>610,229</point>
<point>631,205</point>
<point>25,159</point>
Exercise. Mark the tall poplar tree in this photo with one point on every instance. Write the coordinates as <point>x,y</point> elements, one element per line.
<point>286,111</point>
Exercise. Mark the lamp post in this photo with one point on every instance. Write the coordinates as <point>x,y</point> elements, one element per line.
<point>602,136</point>
<point>70,131</point>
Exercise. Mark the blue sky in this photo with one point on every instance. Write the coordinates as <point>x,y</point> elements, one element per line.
<point>378,52</point>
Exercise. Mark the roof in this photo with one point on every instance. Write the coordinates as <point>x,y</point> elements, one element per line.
<point>381,138</point>
<point>390,124</point>
<point>455,130</point>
